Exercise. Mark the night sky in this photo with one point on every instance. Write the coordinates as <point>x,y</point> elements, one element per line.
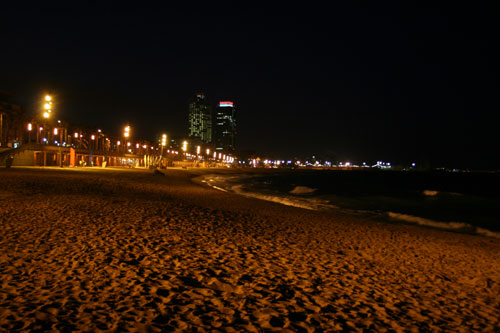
<point>395,81</point>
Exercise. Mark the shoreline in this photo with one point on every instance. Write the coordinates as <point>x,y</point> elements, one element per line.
<point>320,204</point>
<point>138,251</point>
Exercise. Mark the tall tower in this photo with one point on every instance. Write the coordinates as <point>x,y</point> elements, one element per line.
<point>200,119</point>
<point>225,126</point>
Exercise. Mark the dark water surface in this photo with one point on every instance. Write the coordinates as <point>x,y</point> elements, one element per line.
<point>441,199</point>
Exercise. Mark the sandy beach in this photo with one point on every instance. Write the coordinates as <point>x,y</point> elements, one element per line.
<point>104,250</point>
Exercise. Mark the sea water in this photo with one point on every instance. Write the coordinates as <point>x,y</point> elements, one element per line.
<point>465,202</point>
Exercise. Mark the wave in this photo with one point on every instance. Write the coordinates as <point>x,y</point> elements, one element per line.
<point>302,190</point>
<point>306,197</point>
<point>487,233</point>
<point>307,203</point>
<point>455,226</point>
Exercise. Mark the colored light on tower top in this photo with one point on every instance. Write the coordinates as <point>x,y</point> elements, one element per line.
<point>226,104</point>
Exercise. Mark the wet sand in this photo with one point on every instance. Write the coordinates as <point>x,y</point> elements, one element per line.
<point>133,251</point>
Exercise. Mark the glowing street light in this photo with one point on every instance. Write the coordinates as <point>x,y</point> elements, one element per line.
<point>184,146</point>
<point>163,143</point>
<point>30,128</point>
<point>126,134</point>
<point>47,106</point>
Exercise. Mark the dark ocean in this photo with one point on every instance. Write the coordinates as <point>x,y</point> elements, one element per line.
<point>460,201</point>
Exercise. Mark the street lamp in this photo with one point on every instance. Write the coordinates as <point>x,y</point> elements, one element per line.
<point>30,128</point>
<point>163,143</point>
<point>47,106</point>
<point>126,134</point>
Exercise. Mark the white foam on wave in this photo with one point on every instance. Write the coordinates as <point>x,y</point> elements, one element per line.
<point>219,188</point>
<point>487,233</point>
<point>302,190</point>
<point>309,203</point>
<point>430,223</point>
<point>456,226</point>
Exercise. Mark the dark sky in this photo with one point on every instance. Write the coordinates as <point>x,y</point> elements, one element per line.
<point>386,81</point>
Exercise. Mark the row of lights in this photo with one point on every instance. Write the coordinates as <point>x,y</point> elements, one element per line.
<point>126,134</point>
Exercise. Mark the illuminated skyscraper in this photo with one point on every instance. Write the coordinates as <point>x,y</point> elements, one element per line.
<point>200,119</point>
<point>225,126</point>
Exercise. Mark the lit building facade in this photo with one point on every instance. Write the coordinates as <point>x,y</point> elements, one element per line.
<point>225,126</point>
<point>200,119</point>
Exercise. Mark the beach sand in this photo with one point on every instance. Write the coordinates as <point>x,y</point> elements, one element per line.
<point>104,250</point>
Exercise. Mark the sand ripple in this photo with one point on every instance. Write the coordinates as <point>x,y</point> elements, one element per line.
<point>138,252</point>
